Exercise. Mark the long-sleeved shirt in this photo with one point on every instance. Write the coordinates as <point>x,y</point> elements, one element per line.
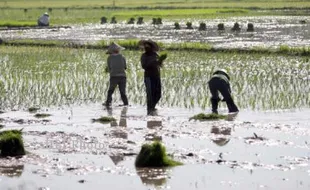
<point>150,64</point>
<point>44,19</point>
<point>117,65</point>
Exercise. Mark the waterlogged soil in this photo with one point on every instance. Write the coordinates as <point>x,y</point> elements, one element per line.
<point>253,150</point>
<point>269,31</point>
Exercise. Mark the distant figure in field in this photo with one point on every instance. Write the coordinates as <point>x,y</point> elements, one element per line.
<point>117,68</point>
<point>44,20</point>
<point>219,82</point>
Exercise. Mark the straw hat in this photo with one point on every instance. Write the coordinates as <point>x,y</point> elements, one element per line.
<point>46,13</point>
<point>153,44</point>
<point>114,46</point>
<point>222,71</point>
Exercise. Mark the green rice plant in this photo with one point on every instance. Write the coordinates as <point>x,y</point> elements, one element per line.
<point>208,117</point>
<point>42,115</point>
<point>177,26</point>
<point>11,143</point>
<point>33,109</point>
<point>154,155</point>
<point>17,24</point>
<point>104,120</point>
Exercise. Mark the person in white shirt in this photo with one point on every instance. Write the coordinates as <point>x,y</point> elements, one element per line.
<point>44,20</point>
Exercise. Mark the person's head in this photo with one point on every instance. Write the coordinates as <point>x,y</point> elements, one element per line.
<point>149,45</point>
<point>46,14</point>
<point>223,72</point>
<point>114,48</point>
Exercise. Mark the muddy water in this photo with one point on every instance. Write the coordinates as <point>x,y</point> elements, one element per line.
<point>68,150</point>
<point>270,31</point>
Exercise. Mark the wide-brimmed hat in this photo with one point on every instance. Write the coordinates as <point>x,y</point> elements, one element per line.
<point>153,44</point>
<point>222,71</point>
<point>46,13</point>
<point>114,46</point>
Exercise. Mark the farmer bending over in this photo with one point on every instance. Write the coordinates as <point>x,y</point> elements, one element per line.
<point>44,20</point>
<point>219,82</point>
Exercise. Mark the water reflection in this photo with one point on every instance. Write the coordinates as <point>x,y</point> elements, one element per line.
<point>12,171</point>
<point>123,119</point>
<point>117,158</point>
<point>221,141</point>
<point>152,124</point>
<point>119,133</point>
<point>153,176</point>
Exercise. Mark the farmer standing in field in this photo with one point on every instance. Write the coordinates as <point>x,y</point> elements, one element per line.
<point>219,82</point>
<point>44,20</point>
<point>151,62</point>
<point>116,66</point>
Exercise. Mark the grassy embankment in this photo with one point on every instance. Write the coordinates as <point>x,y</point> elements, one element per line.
<point>19,13</point>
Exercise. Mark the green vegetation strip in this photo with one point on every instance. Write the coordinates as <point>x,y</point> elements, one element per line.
<point>132,44</point>
<point>104,120</point>
<point>208,117</point>
<point>154,155</point>
<point>11,143</point>
<point>154,3</point>
<point>42,115</point>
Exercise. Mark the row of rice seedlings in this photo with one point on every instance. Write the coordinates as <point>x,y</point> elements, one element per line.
<point>52,76</point>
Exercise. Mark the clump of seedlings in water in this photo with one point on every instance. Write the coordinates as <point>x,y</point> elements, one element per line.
<point>131,21</point>
<point>104,119</point>
<point>33,109</point>
<point>11,143</point>
<point>220,27</point>
<point>113,20</point>
<point>189,25</point>
<point>104,20</point>
<point>140,20</point>
<point>177,26</point>
<point>202,26</point>
<point>42,115</point>
<point>208,117</point>
<point>154,155</point>
<point>163,56</point>
<point>50,10</point>
<point>1,126</point>
<point>250,27</point>
<point>157,21</point>
<point>302,21</point>
<point>236,27</point>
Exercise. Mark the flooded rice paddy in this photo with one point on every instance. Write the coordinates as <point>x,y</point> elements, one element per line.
<point>265,146</point>
<point>270,31</point>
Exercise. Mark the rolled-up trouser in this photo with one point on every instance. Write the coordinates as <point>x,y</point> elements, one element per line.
<point>153,91</point>
<point>121,83</point>
<point>217,85</point>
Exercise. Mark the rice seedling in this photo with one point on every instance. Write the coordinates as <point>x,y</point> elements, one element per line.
<point>154,155</point>
<point>11,143</point>
<point>104,120</point>
<point>45,76</point>
<point>208,117</point>
<point>33,109</point>
<point>42,115</point>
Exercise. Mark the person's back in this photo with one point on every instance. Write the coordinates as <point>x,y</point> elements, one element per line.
<point>43,20</point>
<point>117,65</point>
<point>220,82</point>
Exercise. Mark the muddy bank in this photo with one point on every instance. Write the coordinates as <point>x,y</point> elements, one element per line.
<point>72,150</point>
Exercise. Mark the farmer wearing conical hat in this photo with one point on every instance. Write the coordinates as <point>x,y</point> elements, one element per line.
<point>219,82</point>
<point>116,66</point>
<point>44,20</point>
<point>151,63</point>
